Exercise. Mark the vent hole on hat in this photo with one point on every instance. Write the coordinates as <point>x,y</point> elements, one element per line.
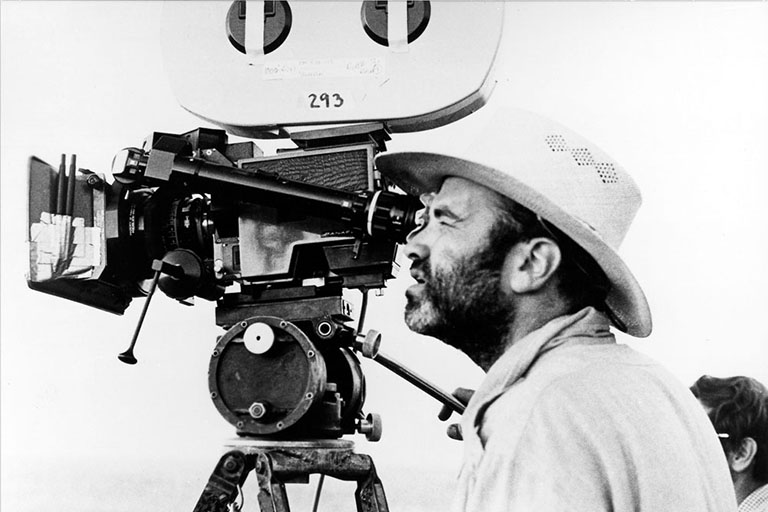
<point>607,173</point>
<point>582,156</point>
<point>556,142</point>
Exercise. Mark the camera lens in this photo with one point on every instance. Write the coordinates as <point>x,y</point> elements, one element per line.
<point>392,215</point>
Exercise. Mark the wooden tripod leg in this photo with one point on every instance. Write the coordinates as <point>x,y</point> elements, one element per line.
<point>369,495</point>
<point>222,487</point>
<point>272,496</point>
<point>274,467</point>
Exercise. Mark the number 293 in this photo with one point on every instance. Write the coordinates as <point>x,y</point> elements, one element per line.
<point>325,100</point>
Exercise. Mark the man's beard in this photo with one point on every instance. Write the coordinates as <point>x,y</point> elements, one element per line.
<point>464,305</point>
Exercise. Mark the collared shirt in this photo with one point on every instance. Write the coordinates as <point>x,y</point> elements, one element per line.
<point>756,502</point>
<point>567,419</point>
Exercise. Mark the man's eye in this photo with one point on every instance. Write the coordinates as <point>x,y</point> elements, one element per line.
<point>443,218</point>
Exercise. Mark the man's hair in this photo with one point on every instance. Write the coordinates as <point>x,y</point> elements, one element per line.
<point>581,280</point>
<point>738,406</point>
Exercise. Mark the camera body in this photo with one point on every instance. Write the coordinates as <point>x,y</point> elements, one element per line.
<point>308,218</point>
<point>274,240</point>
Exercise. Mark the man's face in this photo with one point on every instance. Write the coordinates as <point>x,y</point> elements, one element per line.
<point>458,295</point>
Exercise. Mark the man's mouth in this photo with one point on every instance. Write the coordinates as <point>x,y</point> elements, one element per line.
<point>416,289</point>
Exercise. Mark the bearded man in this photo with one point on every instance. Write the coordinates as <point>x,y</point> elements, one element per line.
<point>515,264</point>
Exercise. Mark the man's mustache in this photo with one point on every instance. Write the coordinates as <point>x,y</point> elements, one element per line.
<point>421,271</point>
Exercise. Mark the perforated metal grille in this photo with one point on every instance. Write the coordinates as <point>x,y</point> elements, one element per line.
<point>582,156</point>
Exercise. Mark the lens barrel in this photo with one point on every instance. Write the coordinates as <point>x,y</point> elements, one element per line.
<point>391,215</point>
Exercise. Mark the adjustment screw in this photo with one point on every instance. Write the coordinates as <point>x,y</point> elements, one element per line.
<point>94,181</point>
<point>257,410</point>
<point>230,464</point>
<point>371,426</point>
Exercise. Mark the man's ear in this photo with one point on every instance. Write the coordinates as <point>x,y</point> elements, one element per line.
<point>531,264</point>
<point>741,458</point>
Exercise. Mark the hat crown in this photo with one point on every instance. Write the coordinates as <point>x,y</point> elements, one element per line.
<point>556,173</point>
<point>572,173</point>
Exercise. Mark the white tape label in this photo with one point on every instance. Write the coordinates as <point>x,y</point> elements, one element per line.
<point>254,29</point>
<point>323,68</point>
<point>397,26</point>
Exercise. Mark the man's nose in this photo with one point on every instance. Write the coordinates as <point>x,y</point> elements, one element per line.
<point>416,247</point>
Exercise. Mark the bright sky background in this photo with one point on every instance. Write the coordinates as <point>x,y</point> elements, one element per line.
<point>676,92</point>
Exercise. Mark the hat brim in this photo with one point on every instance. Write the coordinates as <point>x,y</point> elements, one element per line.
<point>419,172</point>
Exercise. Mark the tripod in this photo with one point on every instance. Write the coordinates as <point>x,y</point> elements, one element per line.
<point>279,462</point>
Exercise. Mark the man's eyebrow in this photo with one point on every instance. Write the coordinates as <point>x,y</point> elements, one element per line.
<point>444,210</point>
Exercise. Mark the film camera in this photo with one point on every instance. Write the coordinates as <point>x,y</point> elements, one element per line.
<point>182,217</point>
<point>273,239</point>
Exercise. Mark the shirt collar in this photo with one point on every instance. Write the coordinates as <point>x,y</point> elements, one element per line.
<point>586,326</point>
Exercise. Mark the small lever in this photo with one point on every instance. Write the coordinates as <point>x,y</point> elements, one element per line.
<point>127,357</point>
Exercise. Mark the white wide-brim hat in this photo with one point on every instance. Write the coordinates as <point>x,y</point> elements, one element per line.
<point>555,173</point>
